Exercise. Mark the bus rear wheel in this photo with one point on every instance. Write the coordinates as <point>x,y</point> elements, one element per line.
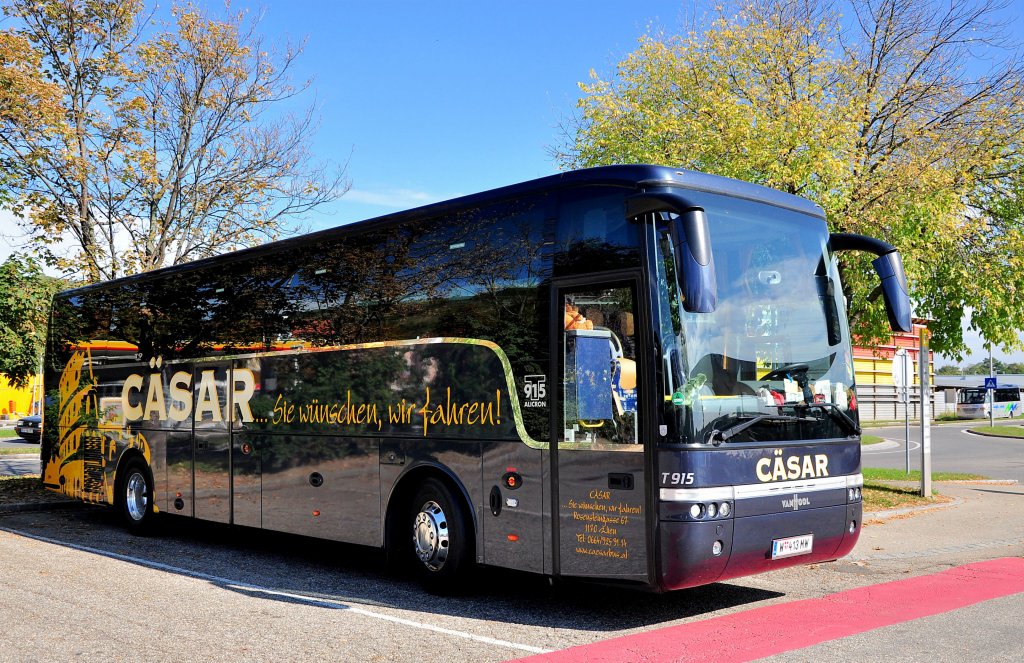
<point>441,545</point>
<point>135,497</point>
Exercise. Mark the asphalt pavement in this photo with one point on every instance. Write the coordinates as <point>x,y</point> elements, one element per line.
<point>243,595</point>
<point>953,448</point>
<point>18,464</point>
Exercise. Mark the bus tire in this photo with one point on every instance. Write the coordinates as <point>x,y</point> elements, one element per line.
<point>442,549</point>
<point>135,497</point>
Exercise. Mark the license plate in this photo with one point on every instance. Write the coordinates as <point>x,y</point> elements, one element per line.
<point>792,546</point>
<point>22,431</point>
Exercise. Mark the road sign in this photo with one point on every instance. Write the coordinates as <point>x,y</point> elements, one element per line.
<point>990,383</point>
<point>902,372</point>
<point>903,377</point>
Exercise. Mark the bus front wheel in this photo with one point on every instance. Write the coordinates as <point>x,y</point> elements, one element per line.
<point>441,546</point>
<point>135,497</point>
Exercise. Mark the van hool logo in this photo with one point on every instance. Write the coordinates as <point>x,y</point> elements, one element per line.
<point>795,503</point>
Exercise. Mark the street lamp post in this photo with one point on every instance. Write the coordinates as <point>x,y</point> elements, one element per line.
<point>991,392</point>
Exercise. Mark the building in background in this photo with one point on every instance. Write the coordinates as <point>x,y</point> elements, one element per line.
<point>16,403</point>
<point>877,397</point>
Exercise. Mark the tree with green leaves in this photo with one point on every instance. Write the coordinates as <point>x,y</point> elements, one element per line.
<point>25,294</point>
<point>879,115</point>
<point>169,146</point>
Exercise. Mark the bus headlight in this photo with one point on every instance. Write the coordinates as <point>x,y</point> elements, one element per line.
<point>711,510</point>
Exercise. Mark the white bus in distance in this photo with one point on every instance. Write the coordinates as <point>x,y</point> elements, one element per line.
<point>973,403</point>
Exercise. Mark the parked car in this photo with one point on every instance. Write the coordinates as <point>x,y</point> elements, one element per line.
<point>30,428</point>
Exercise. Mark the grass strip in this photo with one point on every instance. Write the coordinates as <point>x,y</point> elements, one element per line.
<point>880,494</point>
<point>1006,431</point>
<point>870,439</point>
<point>19,450</point>
<point>883,496</point>
<point>7,432</point>
<point>892,474</point>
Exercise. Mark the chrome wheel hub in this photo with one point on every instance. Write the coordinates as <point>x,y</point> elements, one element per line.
<point>136,497</point>
<point>430,536</point>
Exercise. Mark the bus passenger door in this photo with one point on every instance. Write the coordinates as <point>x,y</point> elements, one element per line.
<point>599,460</point>
<point>211,441</point>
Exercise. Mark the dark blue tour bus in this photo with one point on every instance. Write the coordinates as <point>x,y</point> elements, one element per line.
<point>629,373</point>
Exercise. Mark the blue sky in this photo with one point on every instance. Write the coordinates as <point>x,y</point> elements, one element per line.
<point>431,100</point>
<point>428,101</point>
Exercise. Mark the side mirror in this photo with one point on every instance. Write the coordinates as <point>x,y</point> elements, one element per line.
<point>889,267</point>
<point>691,246</point>
<point>695,266</point>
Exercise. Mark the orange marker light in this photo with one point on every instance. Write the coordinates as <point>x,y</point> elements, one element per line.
<point>177,494</point>
<point>513,537</point>
<point>316,513</point>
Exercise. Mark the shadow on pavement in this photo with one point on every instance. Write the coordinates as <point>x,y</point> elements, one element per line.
<point>290,568</point>
<point>999,492</point>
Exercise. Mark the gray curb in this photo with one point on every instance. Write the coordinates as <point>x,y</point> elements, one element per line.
<point>1004,437</point>
<point>880,446</point>
<point>990,482</point>
<point>956,501</point>
<point>39,506</point>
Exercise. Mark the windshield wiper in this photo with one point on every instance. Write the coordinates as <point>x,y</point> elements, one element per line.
<point>836,414</point>
<point>718,436</point>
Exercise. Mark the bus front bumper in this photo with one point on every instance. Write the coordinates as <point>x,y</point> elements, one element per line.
<point>688,549</point>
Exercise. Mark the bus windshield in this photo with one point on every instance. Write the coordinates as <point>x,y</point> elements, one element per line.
<point>973,396</point>
<point>772,362</point>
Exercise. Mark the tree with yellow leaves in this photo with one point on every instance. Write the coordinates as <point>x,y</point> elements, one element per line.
<point>28,101</point>
<point>880,116</point>
<point>167,146</point>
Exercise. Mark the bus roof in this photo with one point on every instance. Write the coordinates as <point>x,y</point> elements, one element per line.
<point>630,176</point>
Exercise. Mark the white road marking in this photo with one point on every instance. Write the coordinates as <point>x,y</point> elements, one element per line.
<point>913,445</point>
<point>320,602</point>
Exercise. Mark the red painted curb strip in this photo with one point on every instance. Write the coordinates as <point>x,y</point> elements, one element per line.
<point>760,632</point>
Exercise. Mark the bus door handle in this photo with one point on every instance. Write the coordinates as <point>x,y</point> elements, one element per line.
<point>620,481</point>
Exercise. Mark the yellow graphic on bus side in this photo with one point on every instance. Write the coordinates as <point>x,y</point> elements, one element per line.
<point>82,462</point>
